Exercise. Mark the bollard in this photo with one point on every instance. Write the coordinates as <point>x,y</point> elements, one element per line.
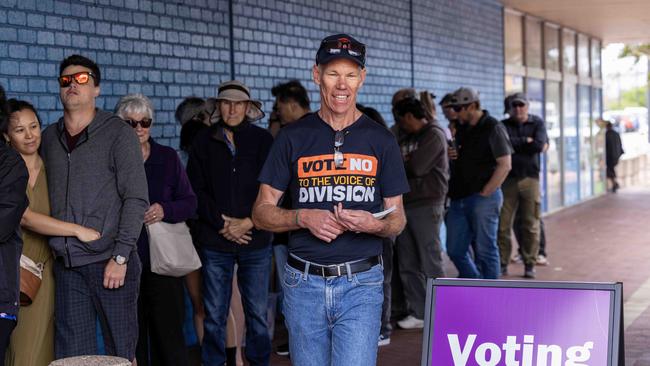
<point>91,361</point>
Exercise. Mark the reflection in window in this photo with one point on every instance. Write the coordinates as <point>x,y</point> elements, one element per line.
<point>569,52</point>
<point>584,116</point>
<point>533,43</point>
<point>570,145</point>
<point>583,55</point>
<point>595,58</point>
<point>554,152</point>
<point>514,40</point>
<point>598,160</point>
<point>552,48</point>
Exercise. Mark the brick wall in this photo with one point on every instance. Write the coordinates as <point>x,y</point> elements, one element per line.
<point>169,50</point>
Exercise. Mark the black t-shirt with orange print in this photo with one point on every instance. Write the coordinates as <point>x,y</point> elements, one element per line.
<point>302,162</point>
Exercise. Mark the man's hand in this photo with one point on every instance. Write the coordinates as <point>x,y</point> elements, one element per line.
<point>86,234</point>
<point>321,223</point>
<point>114,274</point>
<point>452,153</point>
<point>237,230</point>
<point>357,220</point>
<point>153,214</point>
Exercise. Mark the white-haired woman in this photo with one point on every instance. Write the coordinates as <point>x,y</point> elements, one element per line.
<point>160,304</point>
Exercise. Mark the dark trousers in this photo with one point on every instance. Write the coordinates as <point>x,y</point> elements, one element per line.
<point>387,255</point>
<point>80,298</point>
<point>519,235</point>
<point>420,255</point>
<point>161,311</point>
<point>253,275</point>
<point>520,195</point>
<point>6,327</point>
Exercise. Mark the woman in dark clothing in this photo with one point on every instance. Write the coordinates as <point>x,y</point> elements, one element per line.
<point>13,184</point>
<point>613,152</point>
<point>160,304</point>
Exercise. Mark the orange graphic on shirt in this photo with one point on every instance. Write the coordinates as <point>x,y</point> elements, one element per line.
<point>323,165</point>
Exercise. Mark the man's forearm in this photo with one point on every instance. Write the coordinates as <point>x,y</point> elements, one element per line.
<point>275,219</point>
<point>393,225</point>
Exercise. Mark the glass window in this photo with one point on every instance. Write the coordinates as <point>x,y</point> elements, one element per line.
<point>584,116</point>
<point>514,84</point>
<point>569,52</point>
<point>570,145</point>
<point>598,160</point>
<point>514,39</point>
<point>553,155</point>
<point>533,43</point>
<point>552,48</point>
<point>535,94</point>
<point>595,58</point>
<point>583,55</point>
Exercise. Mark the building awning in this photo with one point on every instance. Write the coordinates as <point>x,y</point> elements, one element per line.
<point>626,21</point>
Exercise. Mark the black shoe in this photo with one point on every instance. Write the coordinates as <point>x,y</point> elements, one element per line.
<point>529,271</point>
<point>615,187</point>
<point>282,350</point>
<point>504,270</point>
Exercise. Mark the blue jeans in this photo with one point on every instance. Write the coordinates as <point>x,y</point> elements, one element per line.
<point>281,253</point>
<point>333,321</point>
<point>253,276</point>
<point>474,220</point>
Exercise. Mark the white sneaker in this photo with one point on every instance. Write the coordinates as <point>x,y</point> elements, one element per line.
<point>516,259</point>
<point>383,340</point>
<point>542,260</point>
<point>411,322</point>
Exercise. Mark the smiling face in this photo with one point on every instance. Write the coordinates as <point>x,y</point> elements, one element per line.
<point>78,96</point>
<point>339,82</point>
<point>24,132</point>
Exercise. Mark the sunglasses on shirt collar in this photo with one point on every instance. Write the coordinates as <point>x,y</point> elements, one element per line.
<point>339,139</point>
<point>79,78</point>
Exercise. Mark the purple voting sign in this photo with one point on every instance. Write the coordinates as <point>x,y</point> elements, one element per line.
<point>489,326</point>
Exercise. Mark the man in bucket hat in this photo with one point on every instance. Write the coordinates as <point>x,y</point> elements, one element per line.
<point>339,167</point>
<point>223,166</point>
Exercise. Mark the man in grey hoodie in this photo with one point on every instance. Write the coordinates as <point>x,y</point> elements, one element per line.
<point>96,178</point>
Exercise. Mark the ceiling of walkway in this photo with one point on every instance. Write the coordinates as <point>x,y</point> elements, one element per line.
<point>626,21</point>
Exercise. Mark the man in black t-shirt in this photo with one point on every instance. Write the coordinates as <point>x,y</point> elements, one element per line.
<point>481,162</point>
<point>339,167</point>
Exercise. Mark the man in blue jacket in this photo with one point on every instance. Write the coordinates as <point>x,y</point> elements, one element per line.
<point>223,166</point>
<point>96,180</point>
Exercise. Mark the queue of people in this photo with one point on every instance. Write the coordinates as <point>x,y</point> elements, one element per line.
<point>81,194</point>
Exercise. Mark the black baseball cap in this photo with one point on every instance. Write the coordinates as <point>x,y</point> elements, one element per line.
<point>341,46</point>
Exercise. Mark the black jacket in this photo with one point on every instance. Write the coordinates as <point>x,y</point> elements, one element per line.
<point>525,159</point>
<point>227,184</point>
<point>13,202</point>
<point>613,148</point>
<point>426,164</point>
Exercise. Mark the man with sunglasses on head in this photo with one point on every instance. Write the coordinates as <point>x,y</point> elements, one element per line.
<point>521,192</point>
<point>339,167</point>
<point>481,161</point>
<point>94,180</point>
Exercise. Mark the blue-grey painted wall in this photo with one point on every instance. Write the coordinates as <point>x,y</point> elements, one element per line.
<point>168,50</point>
